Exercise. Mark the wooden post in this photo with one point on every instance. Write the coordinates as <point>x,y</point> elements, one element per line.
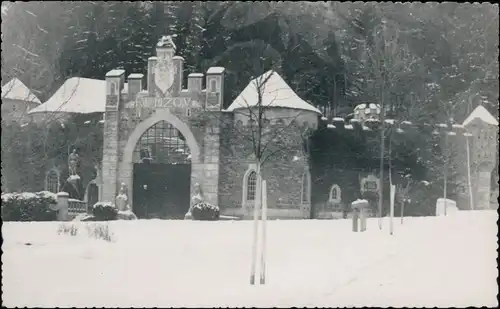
<point>445,189</point>
<point>264,235</point>
<point>393,196</point>
<point>402,209</point>
<point>256,209</point>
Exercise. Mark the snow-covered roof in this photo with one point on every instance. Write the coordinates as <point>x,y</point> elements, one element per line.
<point>365,106</point>
<point>275,93</point>
<point>136,76</point>
<point>16,90</point>
<point>115,73</point>
<point>483,114</point>
<point>215,70</point>
<point>76,95</point>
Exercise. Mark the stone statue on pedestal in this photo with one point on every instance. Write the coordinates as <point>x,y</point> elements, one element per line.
<point>73,160</point>
<point>195,199</point>
<point>122,199</point>
<point>124,211</point>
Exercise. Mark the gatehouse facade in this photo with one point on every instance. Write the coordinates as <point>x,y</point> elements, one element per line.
<point>163,140</point>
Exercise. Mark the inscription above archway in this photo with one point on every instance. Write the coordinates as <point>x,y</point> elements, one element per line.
<point>157,103</point>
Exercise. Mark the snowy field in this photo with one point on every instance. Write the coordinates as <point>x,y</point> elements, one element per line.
<point>434,261</point>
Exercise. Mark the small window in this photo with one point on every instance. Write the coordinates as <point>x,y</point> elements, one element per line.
<point>251,186</point>
<point>335,194</point>
<point>370,185</point>
<point>188,112</point>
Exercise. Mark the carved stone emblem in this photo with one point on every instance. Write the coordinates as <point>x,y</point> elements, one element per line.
<point>165,73</point>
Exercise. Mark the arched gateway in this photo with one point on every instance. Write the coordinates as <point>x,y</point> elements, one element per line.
<point>160,141</point>
<point>160,152</point>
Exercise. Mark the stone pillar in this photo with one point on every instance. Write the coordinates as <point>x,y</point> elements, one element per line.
<point>215,88</point>
<point>151,75</point>
<point>134,85</point>
<point>114,81</point>
<point>211,153</point>
<point>62,206</point>
<point>195,82</point>
<point>179,75</point>
<point>355,216</point>
<point>359,212</point>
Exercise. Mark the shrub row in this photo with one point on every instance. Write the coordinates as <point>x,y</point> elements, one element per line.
<point>28,206</point>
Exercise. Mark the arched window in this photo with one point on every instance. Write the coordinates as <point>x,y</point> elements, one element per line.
<point>251,186</point>
<point>52,182</point>
<point>335,194</point>
<point>306,187</point>
<point>162,143</point>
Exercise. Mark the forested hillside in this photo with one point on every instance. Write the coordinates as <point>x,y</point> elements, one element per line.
<point>444,57</point>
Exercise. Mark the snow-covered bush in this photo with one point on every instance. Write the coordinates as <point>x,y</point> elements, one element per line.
<point>28,206</point>
<point>104,211</point>
<point>206,212</point>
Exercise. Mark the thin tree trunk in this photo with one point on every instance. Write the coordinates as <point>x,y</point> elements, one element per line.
<point>391,219</point>
<point>445,189</point>
<point>382,148</point>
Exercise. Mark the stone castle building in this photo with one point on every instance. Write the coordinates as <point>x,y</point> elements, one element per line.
<point>162,140</point>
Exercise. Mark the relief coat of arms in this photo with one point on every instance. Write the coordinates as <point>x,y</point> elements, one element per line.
<point>165,74</point>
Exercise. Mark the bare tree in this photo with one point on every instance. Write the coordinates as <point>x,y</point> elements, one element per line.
<point>389,60</point>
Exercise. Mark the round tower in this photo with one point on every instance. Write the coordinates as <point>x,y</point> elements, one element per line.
<point>275,125</point>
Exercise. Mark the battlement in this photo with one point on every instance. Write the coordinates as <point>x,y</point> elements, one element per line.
<point>165,76</point>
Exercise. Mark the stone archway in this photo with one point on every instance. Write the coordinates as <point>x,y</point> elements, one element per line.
<point>127,165</point>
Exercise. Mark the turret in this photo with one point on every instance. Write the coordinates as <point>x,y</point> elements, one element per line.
<point>215,88</point>
<point>134,84</point>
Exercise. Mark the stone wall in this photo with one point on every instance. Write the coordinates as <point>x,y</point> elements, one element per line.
<point>283,171</point>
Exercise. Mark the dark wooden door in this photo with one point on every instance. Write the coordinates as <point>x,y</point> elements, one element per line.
<point>161,190</point>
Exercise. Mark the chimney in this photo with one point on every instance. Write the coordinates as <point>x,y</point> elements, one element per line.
<point>134,84</point>
<point>195,81</point>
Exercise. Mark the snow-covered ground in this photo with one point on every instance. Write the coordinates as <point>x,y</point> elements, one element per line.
<point>434,261</point>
